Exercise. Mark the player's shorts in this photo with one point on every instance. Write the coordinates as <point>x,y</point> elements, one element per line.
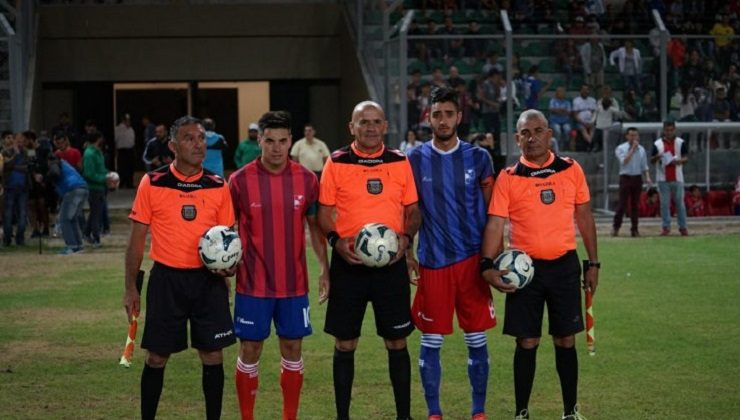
<point>353,286</point>
<point>456,288</point>
<point>253,315</point>
<point>556,282</point>
<point>174,296</point>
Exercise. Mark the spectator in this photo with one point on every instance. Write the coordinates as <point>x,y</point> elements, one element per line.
<point>584,106</point>
<point>593,61</point>
<point>633,163</point>
<point>65,126</point>
<point>629,62</point>
<point>695,206</point>
<point>649,111</point>
<point>310,151</point>
<point>465,105</point>
<point>685,103</point>
<point>452,47</point>
<point>157,152</point>
<point>215,146</point>
<point>475,47</point>
<point>723,32</point>
<point>423,104</point>
<point>410,142</point>
<point>693,72</point>
<point>71,187</point>
<point>607,113</point>
<point>650,203</point>
<point>125,140</point>
<point>735,106</point>
<point>491,63</point>
<point>534,88</point>
<point>489,96</point>
<point>454,78</point>
<point>721,111</point>
<point>66,151</point>
<point>432,47</point>
<point>249,149</point>
<point>149,128</point>
<point>95,173</point>
<point>631,105</point>
<point>438,79</point>
<point>38,157</point>
<point>568,58</point>
<point>16,186</point>
<point>560,122</point>
<point>669,154</point>
<point>736,197</point>
<point>677,55</point>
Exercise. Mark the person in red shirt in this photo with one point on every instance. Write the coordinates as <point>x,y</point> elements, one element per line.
<point>178,203</point>
<point>541,196</point>
<point>66,151</point>
<point>362,183</point>
<point>650,203</point>
<point>695,206</point>
<point>273,197</point>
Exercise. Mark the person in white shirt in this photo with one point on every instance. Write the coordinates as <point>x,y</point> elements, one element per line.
<point>125,140</point>
<point>310,151</point>
<point>633,164</point>
<point>606,114</point>
<point>629,62</point>
<point>584,106</point>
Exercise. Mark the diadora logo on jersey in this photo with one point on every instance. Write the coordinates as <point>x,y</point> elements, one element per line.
<point>424,317</point>
<point>374,186</point>
<point>547,196</point>
<point>543,171</point>
<point>469,176</point>
<point>298,201</point>
<point>188,212</point>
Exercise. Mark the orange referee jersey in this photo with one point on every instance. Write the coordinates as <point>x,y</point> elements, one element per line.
<point>539,202</point>
<point>178,210</point>
<point>367,188</point>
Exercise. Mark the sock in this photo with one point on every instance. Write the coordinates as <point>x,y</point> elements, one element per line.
<point>247,382</point>
<point>477,370</point>
<point>344,375</point>
<point>566,362</point>
<point>399,367</point>
<point>151,388</point>
<point>430,369</point>
<point>213,389</point>
<point>525,363</point>
<point>291,381</point>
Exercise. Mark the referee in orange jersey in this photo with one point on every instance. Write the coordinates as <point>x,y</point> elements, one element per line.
<point>366,182</point>
<point>178,203</point>
<point>541,195</point>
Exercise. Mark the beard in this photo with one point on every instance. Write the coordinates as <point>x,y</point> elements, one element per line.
<point>444,137</point>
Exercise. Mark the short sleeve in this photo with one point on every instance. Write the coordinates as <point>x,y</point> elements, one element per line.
<point>296,150</point>
<point>486,164</point>
<point>499,205</point>
<point>141,210</point>
<point>234,191</point>
<point>226,210</point>
<point>327,192</point>
<point>582,193</point>
<point>325,150</point>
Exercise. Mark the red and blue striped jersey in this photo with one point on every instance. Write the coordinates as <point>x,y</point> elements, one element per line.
<point>270,210</point>
<point>453,208</point>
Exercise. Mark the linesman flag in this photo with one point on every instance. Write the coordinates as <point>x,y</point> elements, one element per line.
<point>128,349</point>
<point>590,323</point>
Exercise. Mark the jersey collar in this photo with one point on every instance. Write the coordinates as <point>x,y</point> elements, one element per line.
<point>361,154</point>
<point>549,160</point>
<point>445,152</point>
<point>182,177</point>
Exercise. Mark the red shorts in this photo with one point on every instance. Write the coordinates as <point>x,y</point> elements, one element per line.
<point>458,287</point>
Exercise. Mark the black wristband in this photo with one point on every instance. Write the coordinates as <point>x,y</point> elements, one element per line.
<point>486,264</point>
<point>332,237</point>
<point>588,264</point>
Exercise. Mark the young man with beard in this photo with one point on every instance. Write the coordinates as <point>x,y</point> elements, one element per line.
<point>454,182</point>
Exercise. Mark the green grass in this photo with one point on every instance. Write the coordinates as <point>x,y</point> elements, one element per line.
<point>668,345</point>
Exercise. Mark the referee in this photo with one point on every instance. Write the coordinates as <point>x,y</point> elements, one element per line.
<point>541,195</point>
<point>178,203</point>
<point>362,183</point>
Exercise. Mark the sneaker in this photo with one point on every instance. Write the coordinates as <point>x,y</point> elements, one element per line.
<point>96,245</point>
<point>479,416</point>
<point>70,251</point>
<point>665,232</point>
<point>575,416</point>
<point>684,232</point>
<point>635,233</point>
<point>615,232</point>
<point>523,415</point>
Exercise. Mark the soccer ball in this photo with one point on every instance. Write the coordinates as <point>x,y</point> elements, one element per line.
<point>220,248</point>
<point>519,264</point>
<point>376,245</point>
<point>112,180</point>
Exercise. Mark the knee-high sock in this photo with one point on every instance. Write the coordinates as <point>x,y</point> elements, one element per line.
<point>151,388</point>
<point>525,364</point>
<point>213,389</point>
<point>291,381</point>
<point>344,375</point>
<point>477,370</point>
<point>566,362</point>
<point>399,367</point>
<point>247,383</point>
<point>430,369</point>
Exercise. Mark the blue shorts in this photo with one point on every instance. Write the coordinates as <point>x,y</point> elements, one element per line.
<point>252,317</point>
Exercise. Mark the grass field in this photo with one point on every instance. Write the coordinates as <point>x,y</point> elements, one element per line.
<point>667,337</point>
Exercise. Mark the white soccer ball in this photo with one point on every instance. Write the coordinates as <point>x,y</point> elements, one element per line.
<point>220,248</point>
<point>112,180</point>
<point>519,264</point>
<point>376,244</point>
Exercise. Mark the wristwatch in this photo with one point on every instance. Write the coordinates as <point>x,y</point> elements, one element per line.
<point>589,264</point>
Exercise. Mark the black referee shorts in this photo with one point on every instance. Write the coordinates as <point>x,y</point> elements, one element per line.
<point>556,282</point>
<point>174,296</point>
<point>353,286</point>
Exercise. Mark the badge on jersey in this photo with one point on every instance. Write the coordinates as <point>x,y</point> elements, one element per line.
<point>374,186</point>
<point>547,196</point>
<point>188,212</point>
